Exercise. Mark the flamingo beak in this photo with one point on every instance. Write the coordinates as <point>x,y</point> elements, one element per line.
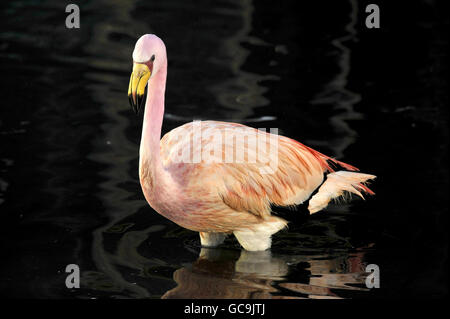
<point>138,82</point>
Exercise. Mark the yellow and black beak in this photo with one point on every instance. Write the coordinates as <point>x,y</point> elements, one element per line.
<point>138,83</point>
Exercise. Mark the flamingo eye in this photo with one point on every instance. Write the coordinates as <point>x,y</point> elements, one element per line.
<point>152,58</point>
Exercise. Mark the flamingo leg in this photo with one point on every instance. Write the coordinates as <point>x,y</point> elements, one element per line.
<point>254,241</point>
<point>259,237</point>
<point>211,239</point>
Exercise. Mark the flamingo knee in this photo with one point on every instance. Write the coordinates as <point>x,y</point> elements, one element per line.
<point>211,239</point>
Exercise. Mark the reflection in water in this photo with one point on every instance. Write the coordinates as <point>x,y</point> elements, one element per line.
<point>220,273</point>
<point>106,56</point>
<point>241,93</point>
<point>337,93</point>
<point>217,272</point>
<point>109,276</point>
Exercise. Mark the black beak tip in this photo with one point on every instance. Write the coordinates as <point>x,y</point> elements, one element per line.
<point>132,104</point>
<point>139,102</point>
<point>139,99</point>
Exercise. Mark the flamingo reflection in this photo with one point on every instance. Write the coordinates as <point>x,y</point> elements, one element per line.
<point>221,273</point>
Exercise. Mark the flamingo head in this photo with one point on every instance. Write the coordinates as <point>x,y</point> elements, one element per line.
<point>149,56</point>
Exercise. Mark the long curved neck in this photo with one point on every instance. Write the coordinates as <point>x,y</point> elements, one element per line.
<point>151,128</point>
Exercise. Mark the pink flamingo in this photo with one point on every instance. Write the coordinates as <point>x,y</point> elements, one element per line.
<point>217,197</point>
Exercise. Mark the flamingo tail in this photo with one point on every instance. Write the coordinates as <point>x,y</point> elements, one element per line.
<point>338,184</point>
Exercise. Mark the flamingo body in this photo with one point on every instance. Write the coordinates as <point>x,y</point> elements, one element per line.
<point>218,178</point>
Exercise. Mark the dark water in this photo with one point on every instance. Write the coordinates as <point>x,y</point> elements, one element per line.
<point>69,188</point>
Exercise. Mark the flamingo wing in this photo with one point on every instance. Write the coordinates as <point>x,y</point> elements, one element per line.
<point>251,187</point>
<point>278,170</point>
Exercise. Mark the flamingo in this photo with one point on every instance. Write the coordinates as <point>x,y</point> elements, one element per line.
<point>218,197</point>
